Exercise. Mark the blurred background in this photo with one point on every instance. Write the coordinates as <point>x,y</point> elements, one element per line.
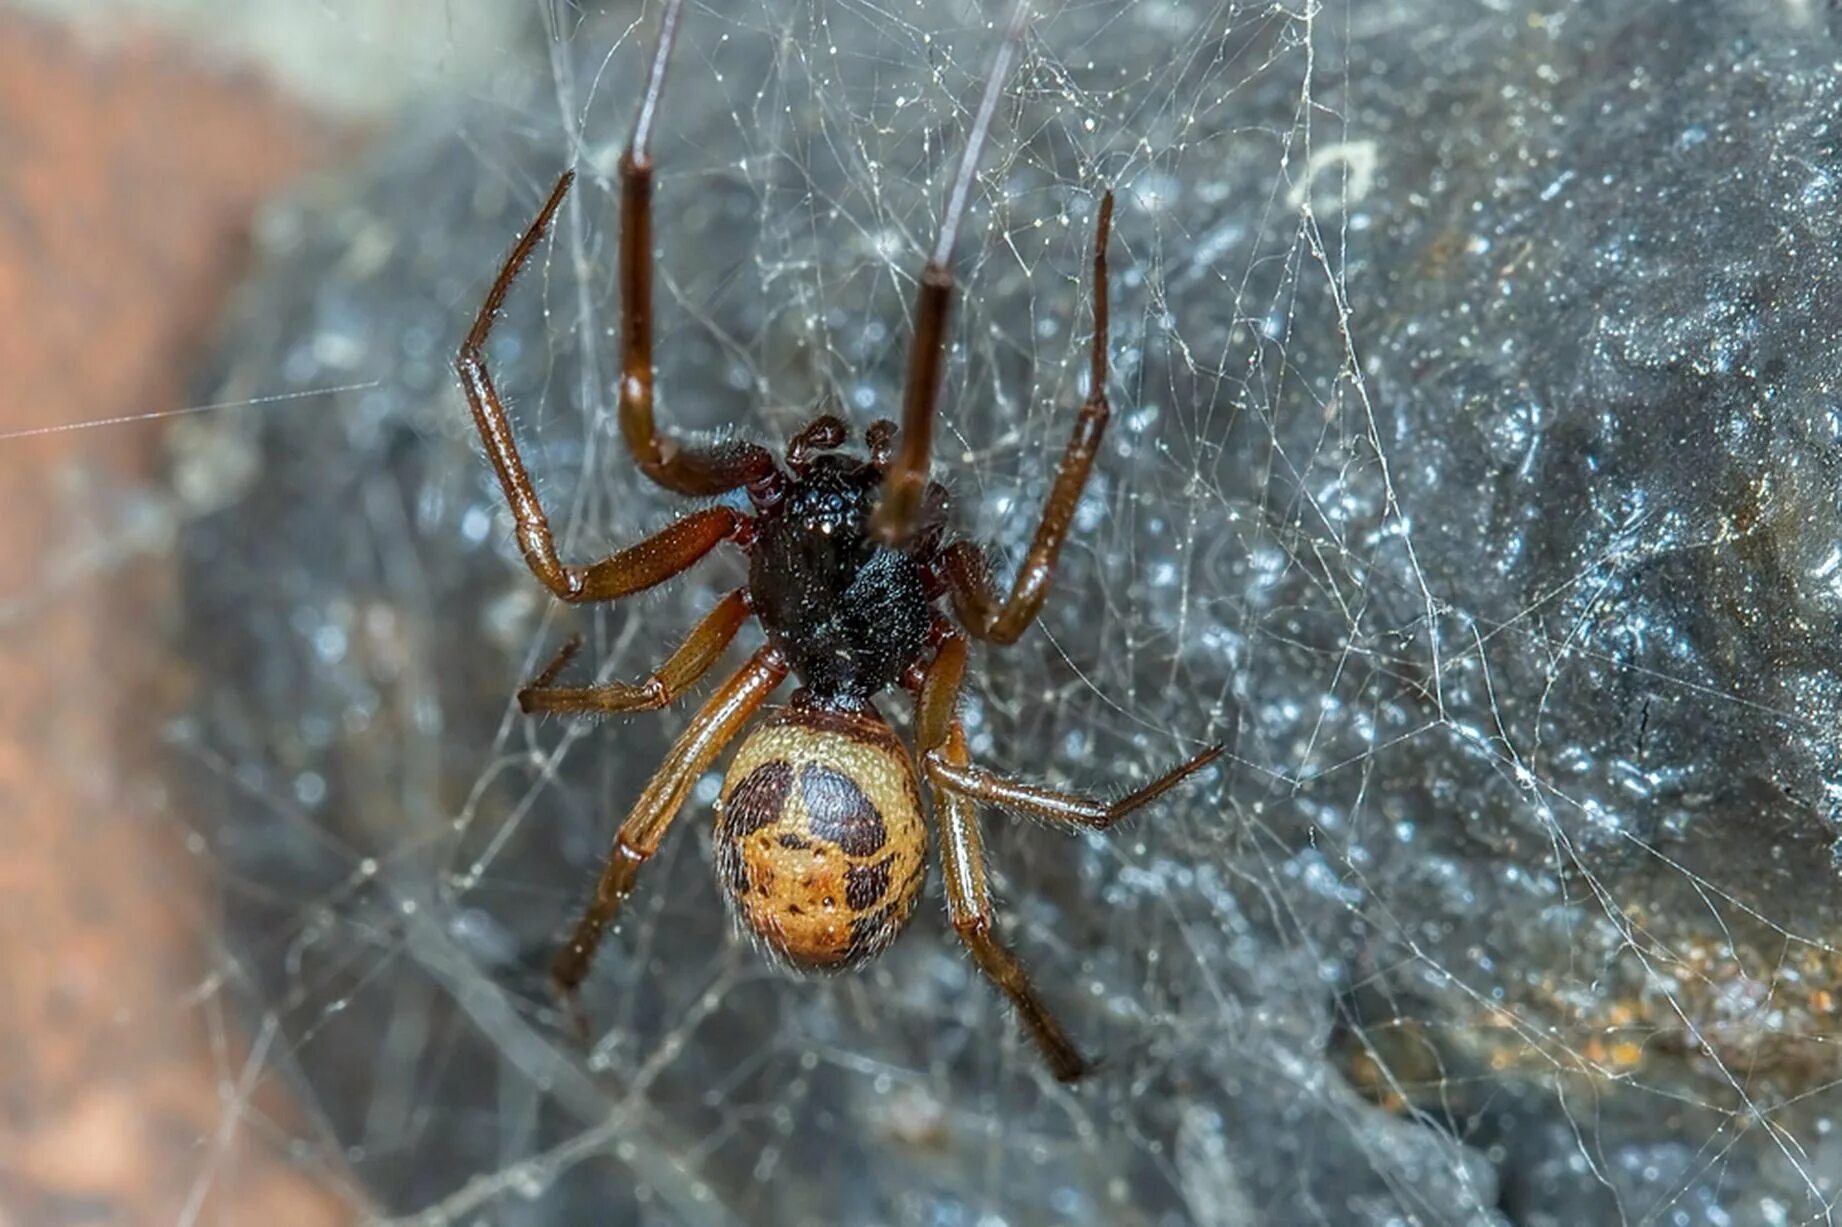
<point>143,142</point>
<point>1472,475</point>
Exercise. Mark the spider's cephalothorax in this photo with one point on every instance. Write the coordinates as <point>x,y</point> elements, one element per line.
<point>849,613</point>
<point>820,842</point>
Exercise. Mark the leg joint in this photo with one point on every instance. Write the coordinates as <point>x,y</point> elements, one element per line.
<point>974,928</point>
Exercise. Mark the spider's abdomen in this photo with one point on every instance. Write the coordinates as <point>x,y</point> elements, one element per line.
<point>848,614</point>
<point>819,840</point>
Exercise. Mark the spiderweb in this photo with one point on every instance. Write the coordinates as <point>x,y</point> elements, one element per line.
<point>1471,476</point>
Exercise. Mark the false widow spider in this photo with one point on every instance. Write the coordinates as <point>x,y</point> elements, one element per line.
<point>820,843</point>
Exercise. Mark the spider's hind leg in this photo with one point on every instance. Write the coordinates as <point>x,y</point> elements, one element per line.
<point>1070,809</point>
<point>938,733</point>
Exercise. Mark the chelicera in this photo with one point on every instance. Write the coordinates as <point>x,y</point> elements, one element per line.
<point>820,840</point>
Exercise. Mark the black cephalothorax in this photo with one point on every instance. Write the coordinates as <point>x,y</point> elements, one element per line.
<point>848,613</point>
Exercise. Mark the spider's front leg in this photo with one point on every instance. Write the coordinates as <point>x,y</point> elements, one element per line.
<point>697,469</point>
<point>967,572</point>
<point>657,558</point>
<point>902,511</point>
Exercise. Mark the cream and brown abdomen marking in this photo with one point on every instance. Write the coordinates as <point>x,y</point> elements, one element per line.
<point>819,839</point>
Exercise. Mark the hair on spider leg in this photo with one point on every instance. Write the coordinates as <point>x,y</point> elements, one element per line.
<point>821,838</point>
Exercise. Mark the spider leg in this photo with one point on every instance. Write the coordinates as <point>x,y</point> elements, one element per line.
<point>687,468</point>
<point>712,728</point>
<point>941,737</point>
<point>967,572</point>
<point>701,649</point>
<point>901,512</point>
<point>657,558</point>
<point>1066,808</point>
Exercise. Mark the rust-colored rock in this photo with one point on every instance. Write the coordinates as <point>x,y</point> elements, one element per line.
<point>129,181</point>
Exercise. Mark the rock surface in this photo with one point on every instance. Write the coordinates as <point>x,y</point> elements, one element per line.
<point>1473,475</point>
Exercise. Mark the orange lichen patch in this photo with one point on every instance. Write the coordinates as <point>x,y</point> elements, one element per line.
<point>1695,1009</point>
<point>130,182</point>
<point>1376,1081</point>
<point>1611,1057</point>
<point>1704,999</point>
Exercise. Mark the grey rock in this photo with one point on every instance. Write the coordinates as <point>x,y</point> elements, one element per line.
<point>1473,475</point>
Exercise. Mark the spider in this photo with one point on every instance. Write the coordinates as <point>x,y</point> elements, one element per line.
<point>820,843</point>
